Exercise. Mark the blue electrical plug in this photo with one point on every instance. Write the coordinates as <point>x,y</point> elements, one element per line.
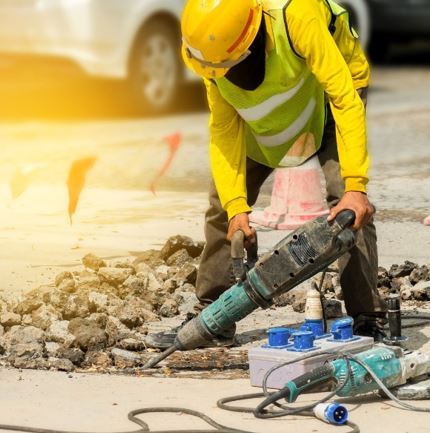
<point>332,413</point>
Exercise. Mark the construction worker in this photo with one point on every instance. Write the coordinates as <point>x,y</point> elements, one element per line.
<point>284,80</point>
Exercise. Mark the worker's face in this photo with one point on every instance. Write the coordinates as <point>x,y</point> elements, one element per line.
<point>249,73</point>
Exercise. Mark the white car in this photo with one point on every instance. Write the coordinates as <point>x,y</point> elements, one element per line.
<point>134,40</point>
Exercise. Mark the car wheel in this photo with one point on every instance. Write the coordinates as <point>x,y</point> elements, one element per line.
<point>156,69</point>
<point>360,18</point>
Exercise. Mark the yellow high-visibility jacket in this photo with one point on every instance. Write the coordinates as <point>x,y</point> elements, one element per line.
<point>339,64</point>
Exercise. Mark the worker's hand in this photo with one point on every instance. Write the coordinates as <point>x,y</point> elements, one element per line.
<point>357,202</point>
<point>241,222</point>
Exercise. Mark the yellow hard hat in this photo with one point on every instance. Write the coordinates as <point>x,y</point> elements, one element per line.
<point>216,34</point>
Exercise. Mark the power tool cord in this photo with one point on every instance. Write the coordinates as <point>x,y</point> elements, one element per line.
<point>272,398</point>
<point>132,416</point>
<point>384,389</point>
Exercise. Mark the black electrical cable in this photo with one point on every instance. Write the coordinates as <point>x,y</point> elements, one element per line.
<point>322,297</point>
<point>272,398</point>
<point>132,416</point>
<point>406,316</point>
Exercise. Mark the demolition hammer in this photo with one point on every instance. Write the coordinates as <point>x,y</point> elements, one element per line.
<point>299,256</point>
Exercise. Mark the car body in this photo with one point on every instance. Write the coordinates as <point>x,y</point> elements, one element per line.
<point>400,18</point>
<point>139,40</point>
<point>117,39</point>
<point>381,22</point>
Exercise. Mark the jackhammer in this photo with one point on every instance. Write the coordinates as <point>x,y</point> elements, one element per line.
<point>299,256</point>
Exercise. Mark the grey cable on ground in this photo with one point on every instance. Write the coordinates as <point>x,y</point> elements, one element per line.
<point>385,389</point>
<point>132,416</point>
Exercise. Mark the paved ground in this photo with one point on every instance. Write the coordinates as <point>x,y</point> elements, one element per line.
<point>118,216</point>
<point>100,404</point>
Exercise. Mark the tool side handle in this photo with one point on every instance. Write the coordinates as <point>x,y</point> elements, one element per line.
<point>346,218</point>
<point>308,381</point>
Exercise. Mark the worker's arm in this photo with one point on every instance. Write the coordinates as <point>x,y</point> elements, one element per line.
<point>311,39</point>
<point>227,152</point>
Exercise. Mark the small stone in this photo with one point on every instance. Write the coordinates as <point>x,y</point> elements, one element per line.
<point>406,292</point>
<point>87,280</point>
<point>186,301</point>
<point>100,319</point>
<point>58,299</point>
<point>98,302</point>
<point>383,278</point>
<point>397,271</point>
<point>333,309</point>
<point>131,344</point>
<point>162,272</point>
<point>186,274</point>
<point>125,359</point>
<point>134,313</point>
<point>63,276</point>
<point>98,359</point>
<point>396,283</point>
<point>419,274</point>
<point>44,316</point>
<point>179,258</point>
<point>60,364</point>
<point>295,297</point>
<point>338,292</point>
<point>67,285</point>
<point>136,284</point>
<point>152,258</point>
<point>88,335</point>
<point>52,348</point>
<point>420,290</point>
<point>114,276</point>
<point>169,308</point>
<point>24,341</point>
<point>27,320</point>
<point>116,331</point>
<point>9,319</point>
<point>73,354</point>
<point>176,243</point>
<point>384,291</point>
<point>93,262</point>
<point>59,333</point>
<point>170,285</point>
<point>30,363</point>
<point>77,305</point>
<point>33,300</point>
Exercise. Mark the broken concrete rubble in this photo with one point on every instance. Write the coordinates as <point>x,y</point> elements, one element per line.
<point>97,316</point>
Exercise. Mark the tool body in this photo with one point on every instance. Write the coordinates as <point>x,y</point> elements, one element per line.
<point>392,365</point>
<point>299,256</point>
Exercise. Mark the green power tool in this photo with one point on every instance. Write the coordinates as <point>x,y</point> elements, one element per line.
<point>393,366</point>
<point>302,254</point>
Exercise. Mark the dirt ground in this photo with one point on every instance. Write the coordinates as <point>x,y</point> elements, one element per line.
<point>119,217</point>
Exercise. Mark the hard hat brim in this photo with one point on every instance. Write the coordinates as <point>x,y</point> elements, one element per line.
<point>202,70</point>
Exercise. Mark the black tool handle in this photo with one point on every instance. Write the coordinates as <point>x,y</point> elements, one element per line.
<point>346,218</point>
<point>237,245</point>
<point>308,381</point>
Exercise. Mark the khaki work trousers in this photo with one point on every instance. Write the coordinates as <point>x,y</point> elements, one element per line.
<point>358,268</point>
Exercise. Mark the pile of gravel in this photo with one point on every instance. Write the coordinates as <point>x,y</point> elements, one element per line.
<point>97,317</point>
<point>411,280</point>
